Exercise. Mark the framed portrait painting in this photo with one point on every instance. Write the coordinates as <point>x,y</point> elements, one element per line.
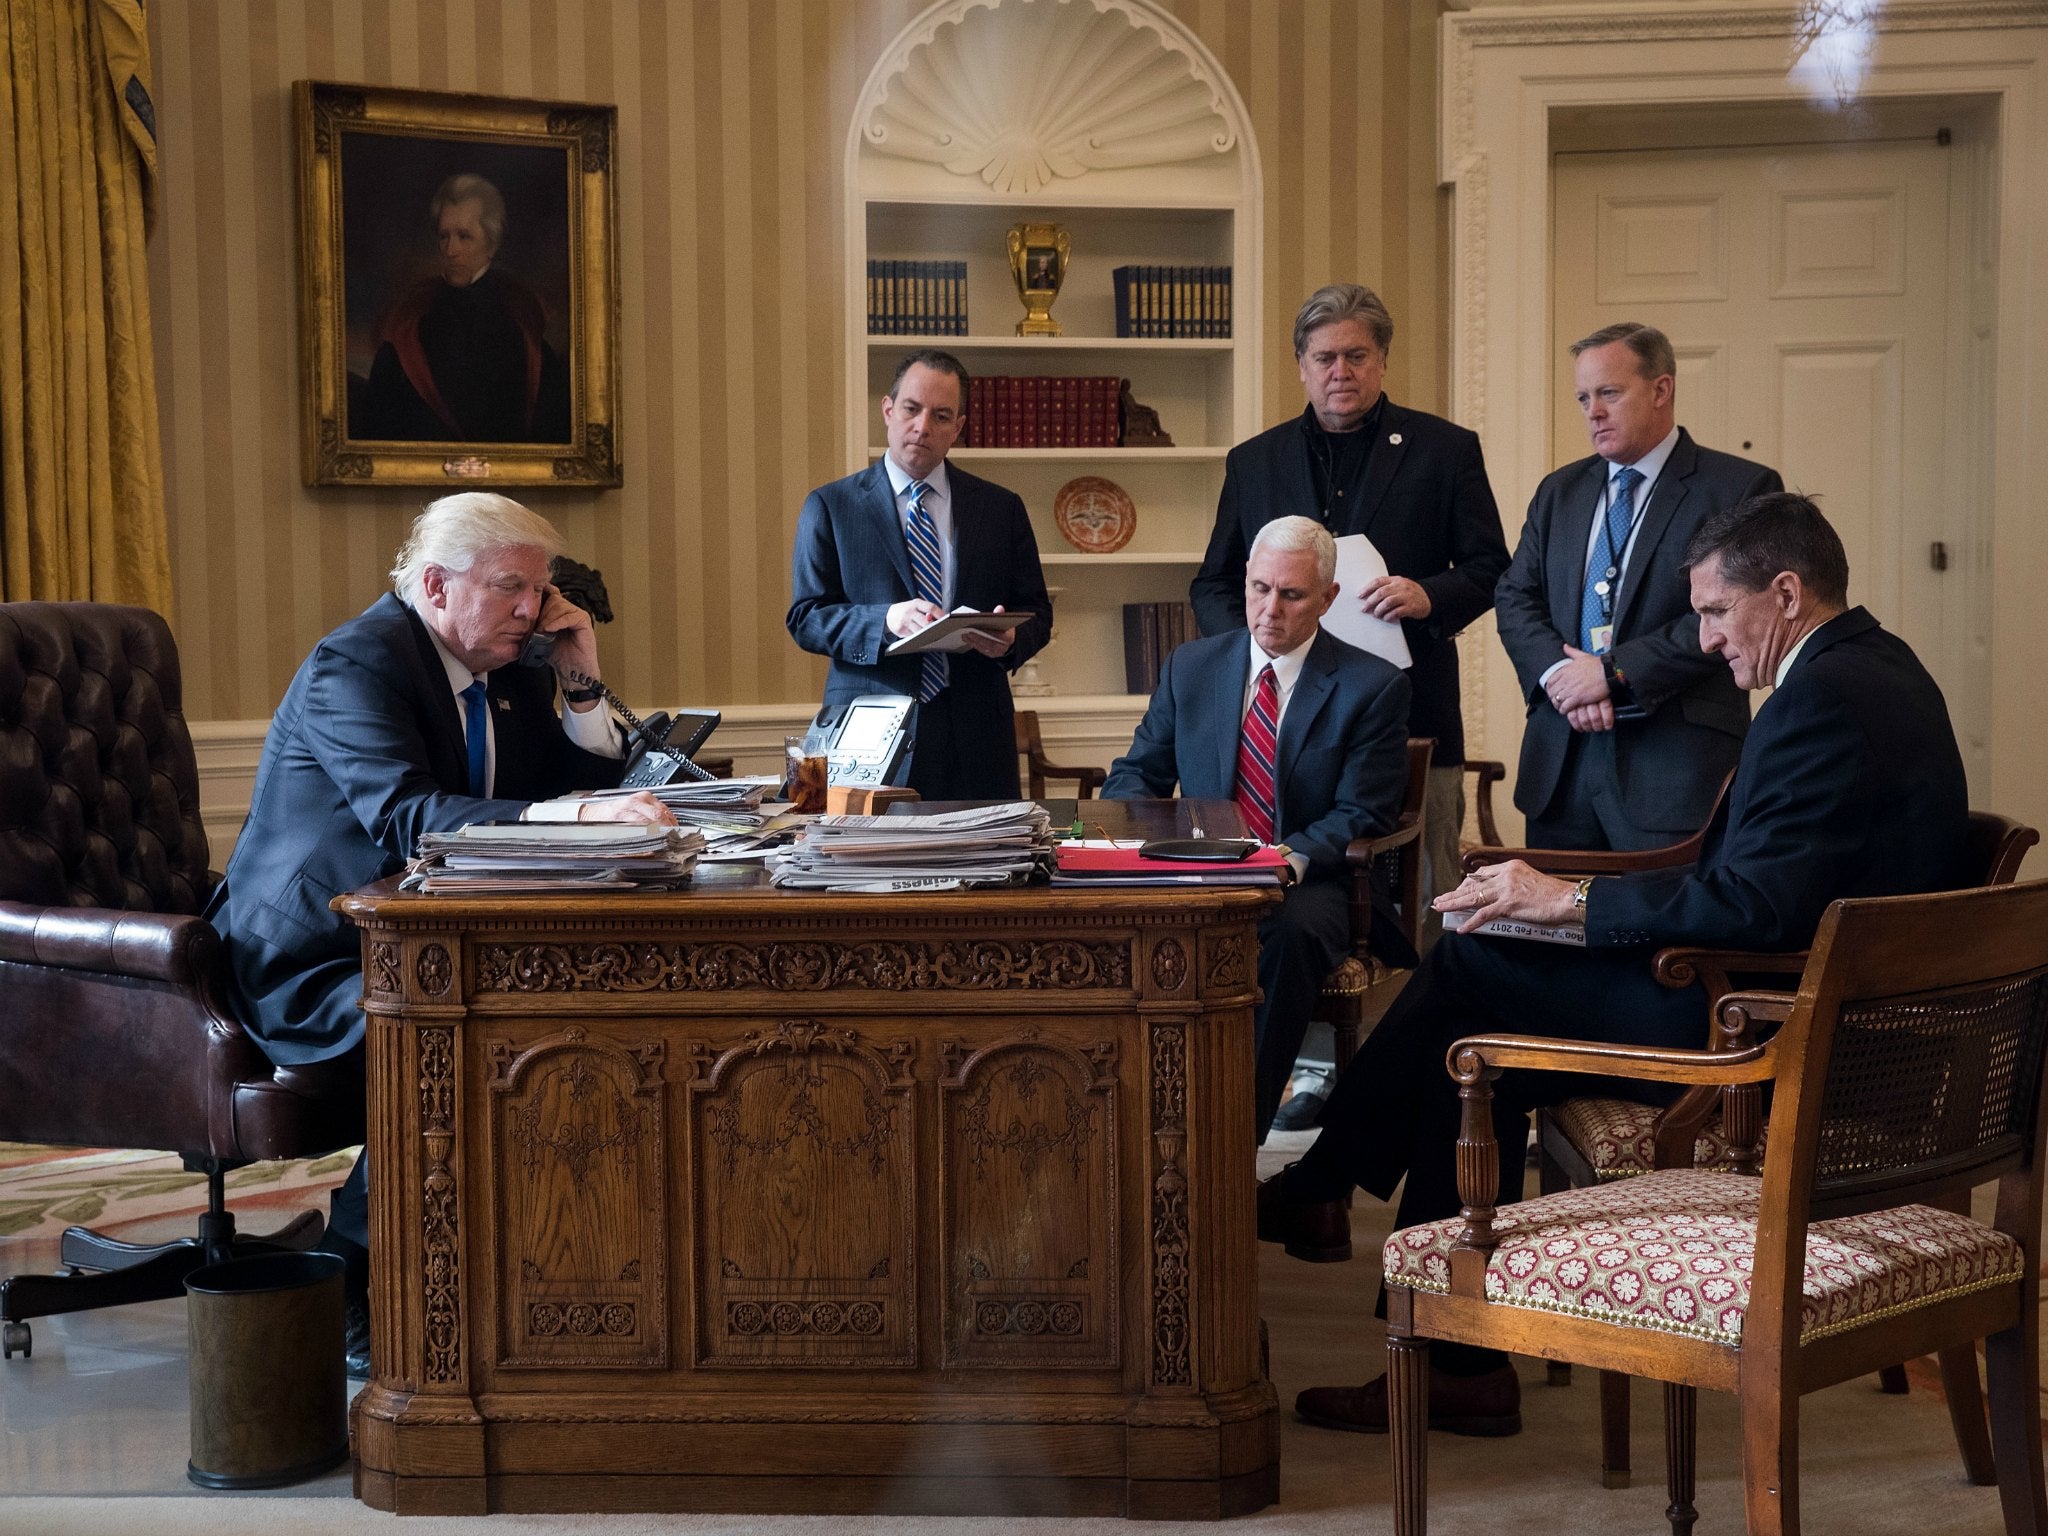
<point>458,289</point>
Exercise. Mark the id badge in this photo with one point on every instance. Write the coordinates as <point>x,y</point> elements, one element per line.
<point>1603,638</point>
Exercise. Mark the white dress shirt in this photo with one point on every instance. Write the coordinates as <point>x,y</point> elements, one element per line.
<point>1650,466</point>
<point>591,729</point>
<point>938,501</point>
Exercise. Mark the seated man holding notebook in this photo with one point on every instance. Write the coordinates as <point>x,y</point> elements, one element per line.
<point>1309,736</point>
<point>1849,784</point>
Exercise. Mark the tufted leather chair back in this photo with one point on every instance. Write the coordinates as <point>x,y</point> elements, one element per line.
<point>99,788</point>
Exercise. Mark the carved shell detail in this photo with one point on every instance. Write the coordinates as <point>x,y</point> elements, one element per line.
<point>1027,91</point>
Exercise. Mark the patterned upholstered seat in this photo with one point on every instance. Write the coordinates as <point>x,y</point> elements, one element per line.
<point>1617,1137</point>
<point>1673,1251</point>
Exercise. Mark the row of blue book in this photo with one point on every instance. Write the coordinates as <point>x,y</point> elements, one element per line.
<point>1176,302</point>
<point>917,298</point>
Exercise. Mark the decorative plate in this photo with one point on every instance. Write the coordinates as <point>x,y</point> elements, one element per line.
<point>1094,515</point>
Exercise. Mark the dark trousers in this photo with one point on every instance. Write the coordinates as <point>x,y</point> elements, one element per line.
<point>1299,945</point>
<point>951,763</point>
<point>1588,810</point>
<point>1393,1114</point>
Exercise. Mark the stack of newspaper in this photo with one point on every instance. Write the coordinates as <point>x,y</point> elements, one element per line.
<point>938,851</point>
<point>727,811</point>
<point>490,858</point>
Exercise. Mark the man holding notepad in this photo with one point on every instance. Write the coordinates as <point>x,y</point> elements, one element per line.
<point>886,553</point>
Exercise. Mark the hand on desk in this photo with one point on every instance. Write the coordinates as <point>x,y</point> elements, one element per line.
<point>635,807</point>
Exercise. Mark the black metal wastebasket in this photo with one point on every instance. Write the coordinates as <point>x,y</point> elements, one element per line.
<point>269,1399</point>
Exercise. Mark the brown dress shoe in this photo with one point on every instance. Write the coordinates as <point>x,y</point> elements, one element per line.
<point>1459,1405</point>
<point>1318,1231</point>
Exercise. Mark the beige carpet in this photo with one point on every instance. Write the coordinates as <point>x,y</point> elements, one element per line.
<point>72,1465</point>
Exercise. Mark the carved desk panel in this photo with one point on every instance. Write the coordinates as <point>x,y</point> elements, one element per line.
<point>743,1200</point>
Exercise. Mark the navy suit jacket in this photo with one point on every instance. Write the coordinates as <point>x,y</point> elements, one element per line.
<point>364,754</point>
<point>1850,784</point>
<point>1342,760</point>
<point>851,563</point>
<point>1671,764</point>
<point>1429,510</point>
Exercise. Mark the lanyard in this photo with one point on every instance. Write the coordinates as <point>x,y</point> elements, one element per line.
<point>1610,581</point>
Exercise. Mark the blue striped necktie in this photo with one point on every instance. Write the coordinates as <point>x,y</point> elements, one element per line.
<point>1594,607</point>
<point>928,567</point>
<point>477,724</point>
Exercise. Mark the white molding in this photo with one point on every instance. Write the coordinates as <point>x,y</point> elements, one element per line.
<point>1504,72</point>
<point>1024,95</point>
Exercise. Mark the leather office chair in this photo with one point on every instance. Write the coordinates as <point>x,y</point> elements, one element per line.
<point>116,1031</point>
<point>1392,864</point>
<point>1909,1068</point>
<point>1038,767</point>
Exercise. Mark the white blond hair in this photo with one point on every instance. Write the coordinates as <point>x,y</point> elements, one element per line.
<point>1291,533</point>
<point>453,531</point>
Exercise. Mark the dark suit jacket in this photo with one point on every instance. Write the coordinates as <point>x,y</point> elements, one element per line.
<point>1672,763</point>
<point>1850,784</point>
<point>1342,762</point>
<point>851,563</point>
<point>1426,506</point>
<point>364,754</point>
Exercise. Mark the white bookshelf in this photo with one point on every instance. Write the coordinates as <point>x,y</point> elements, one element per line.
<point>1127,193</point>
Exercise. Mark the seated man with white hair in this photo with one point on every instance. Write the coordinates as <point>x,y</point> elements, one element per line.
<point>1309,736</point>
<point>409,718</point>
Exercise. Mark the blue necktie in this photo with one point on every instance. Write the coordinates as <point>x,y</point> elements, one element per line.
<point>1593,607</point>
<point>478,722</point>
<point>927,566</point>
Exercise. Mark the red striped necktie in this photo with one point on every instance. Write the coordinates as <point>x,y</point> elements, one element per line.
<point>1256,745</point>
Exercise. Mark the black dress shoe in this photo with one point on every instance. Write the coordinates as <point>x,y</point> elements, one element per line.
<point>1318,1231</point>
<point>1490,1404</point>
<point>355,1341</point>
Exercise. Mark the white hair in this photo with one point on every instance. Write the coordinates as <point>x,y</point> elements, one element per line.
<point>1291,533</point>
<point>454,530</point>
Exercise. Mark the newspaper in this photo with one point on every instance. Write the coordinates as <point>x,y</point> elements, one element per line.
<point>502,857</point>
<point>1006,844</point>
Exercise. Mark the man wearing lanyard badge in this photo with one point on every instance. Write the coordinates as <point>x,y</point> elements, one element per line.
<point>1631,727</point>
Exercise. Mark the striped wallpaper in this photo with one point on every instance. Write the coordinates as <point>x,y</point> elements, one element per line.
<point>732,120</point>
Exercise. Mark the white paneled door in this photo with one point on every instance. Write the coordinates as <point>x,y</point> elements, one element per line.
<point>1806,289</point>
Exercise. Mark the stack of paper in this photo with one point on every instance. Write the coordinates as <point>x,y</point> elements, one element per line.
<point>993,845</point>
<point>498,857</point>
<point>727,811</point>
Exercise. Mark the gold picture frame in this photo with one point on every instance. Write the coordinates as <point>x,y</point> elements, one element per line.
<point>458,289</point>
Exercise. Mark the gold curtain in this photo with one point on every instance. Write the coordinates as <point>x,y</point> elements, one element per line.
<point>81,465</point>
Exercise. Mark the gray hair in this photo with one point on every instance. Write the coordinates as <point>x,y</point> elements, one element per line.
<point>1654,356</point>
<point>468,187</point>
<point>454,530</point>
<point>1343,301</point>
<point>1286,534</point>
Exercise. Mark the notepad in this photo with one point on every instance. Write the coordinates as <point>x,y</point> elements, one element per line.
<point>949,633</point>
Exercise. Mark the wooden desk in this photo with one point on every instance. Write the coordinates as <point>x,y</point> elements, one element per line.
<point>740,1199</point>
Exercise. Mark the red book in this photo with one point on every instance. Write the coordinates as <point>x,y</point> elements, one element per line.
<point>1261,866</point>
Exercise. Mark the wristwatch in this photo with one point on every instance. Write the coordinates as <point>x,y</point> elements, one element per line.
<point>582,695</point>
<point>1579,895</point>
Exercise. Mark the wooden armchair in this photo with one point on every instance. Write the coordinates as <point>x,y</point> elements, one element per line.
<point>1391,863</point>
<point>1909,1069</point>
<point>1586,1141</point>
<point>1039,767</point>
<point>1485,772</point>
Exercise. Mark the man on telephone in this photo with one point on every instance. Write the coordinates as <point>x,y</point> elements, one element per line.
<point>409,718</point>
<point>883,553</point>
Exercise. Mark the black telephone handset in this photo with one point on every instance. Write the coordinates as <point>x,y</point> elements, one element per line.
<point>651,763</point>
